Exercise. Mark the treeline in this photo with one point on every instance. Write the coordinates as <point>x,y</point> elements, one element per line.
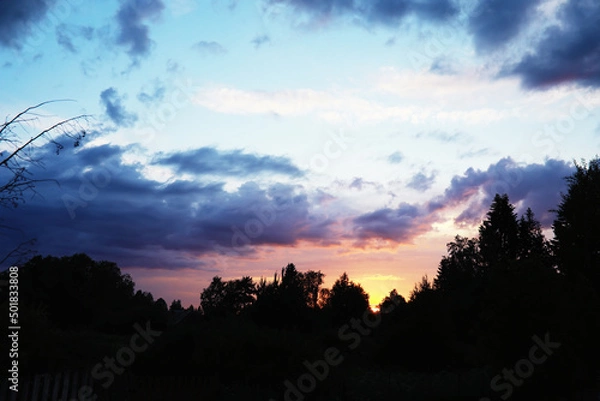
<point>521,310</point>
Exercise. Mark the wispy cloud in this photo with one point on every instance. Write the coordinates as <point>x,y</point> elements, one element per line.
<point>395,157</point>
<point>113,105</point>
<point>260,40</point>
<point>206,48</point>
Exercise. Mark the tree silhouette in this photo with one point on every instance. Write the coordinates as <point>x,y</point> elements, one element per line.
<point>347,299</point>
<point>576,227</point>
<point>288,301</point>
<point>532,244</point>
<point>499,233</point>
<point>311,283</point>
<point>393,303</point>
<point>176,305</point>
<point>461,267</point>
<point>227,298</point>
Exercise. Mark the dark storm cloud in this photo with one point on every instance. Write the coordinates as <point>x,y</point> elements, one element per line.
<point>569,53</point>
<point>386,12</point>
<point>133,33</point>
<point>494,23</point>
<point>208,160</point>
<point>115,110</point>
<point>111,211</point>
<point>18,19</point>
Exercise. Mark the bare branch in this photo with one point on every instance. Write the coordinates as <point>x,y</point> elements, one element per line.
<point>44,132</point>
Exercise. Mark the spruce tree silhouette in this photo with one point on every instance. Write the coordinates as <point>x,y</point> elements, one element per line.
<point>499,233</point>
<point>577,224</point>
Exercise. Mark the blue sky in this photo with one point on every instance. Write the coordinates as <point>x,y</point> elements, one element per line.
<point>232,138</point>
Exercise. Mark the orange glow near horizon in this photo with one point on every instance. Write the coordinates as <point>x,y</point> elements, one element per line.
<point>377,271</point>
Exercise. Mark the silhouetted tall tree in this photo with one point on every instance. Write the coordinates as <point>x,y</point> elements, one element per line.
<point>460,267</point>
<point>499,233</point>
<point>532,243</point>
<point>347,299</point>
<point>423,289</point>
<point>311,282</point>
<point>577,224</point>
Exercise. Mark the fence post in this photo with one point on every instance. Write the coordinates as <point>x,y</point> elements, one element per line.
<point>56,386</point>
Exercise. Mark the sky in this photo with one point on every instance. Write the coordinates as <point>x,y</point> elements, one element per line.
<point>231,138</point>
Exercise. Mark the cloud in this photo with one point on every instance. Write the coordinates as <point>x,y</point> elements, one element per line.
<point>533,185</point>
<point>442,66</point>
<point>133,34</point>
<point>17,19</point>
<point>391,12</point>
<point>421,181</point>
<point>537,186</point>
<point>568,52</point>
<point>334,106</point>
<point>474,153</point>
<point>360,183</point>
<point>209,48</point>
<point>115,110</point>
<point>63,39</point>
<point>112,211</point>
<point>395,157</point>
<point>260,40</point>
<point>66,33</point>
<point>442,136</point>
<point>400,225</point>
<point>376,12</point>
<point>493,23</point>
<point>207,160</point>
<point>153,95</point>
